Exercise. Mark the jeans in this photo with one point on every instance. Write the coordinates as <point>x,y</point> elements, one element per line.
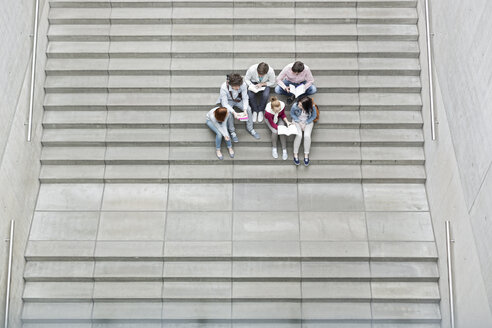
<point>218,135</point>
<point>253,101</point>
<point>249,122</point>
<point>310,91</point>
<point>307,138</point>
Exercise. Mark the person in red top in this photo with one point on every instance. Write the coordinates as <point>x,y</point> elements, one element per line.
<point>274,116</point>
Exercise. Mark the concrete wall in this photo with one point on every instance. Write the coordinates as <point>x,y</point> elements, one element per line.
<point>459,163</point>
<point>19,160</point>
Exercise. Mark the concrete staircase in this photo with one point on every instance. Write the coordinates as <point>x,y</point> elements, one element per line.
<point>138,224</point>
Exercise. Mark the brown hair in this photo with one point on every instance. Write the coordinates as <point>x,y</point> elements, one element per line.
<point>275,104</point>
<point>234,80</point>
<point>298,67</point>
<point>220,114</point>
<point>306,103</point>
<point>262,68</point>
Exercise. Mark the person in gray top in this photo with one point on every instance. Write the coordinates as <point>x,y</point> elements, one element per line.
<point>234,93</point>
<point>217,122</point>
<point>259,76</point>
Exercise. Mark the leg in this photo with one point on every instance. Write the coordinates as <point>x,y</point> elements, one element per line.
<point>230,120</point>
<point>283,138</point>
<point>249,122</point>
<point>307,138</point>
<point>297,140</point>
<point>281,91</point>
<point>265,94</point>
<point>253,102</point>
<point>311,90</point>
<point>218,135</point>
<point>274,134</point>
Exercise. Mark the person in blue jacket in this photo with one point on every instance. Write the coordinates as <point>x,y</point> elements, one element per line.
<point>303,114</point>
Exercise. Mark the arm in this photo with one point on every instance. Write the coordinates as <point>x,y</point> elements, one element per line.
<point>248,76</point>
<point>312,116</point>
<point>269,117</point>
<point>281,76</point>
<point>271,78</point>
<point>223,128</point>
<point>295,118</point>
<point>309,78</point>
<point>224,99</point>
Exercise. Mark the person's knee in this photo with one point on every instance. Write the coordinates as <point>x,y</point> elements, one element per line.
<point>312,90</point>
<point>278,90</point>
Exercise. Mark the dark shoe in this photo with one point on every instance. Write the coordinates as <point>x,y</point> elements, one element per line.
<point>231,152</point>
<point>220,157</point>
<point>254,134</point>
<point>306,161</point>
<point>234,137</point>
<point>290,99</point>
<point>296,161</point>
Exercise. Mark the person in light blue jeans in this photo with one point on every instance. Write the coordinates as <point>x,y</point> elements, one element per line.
<point>217,120</point>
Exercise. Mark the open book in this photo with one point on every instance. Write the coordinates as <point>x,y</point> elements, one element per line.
<point>292,129</point>
<point>254,88</point>
<point>242,116</point>
<point>297,91</point>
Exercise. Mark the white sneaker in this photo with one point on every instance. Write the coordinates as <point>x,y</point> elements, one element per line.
<point>255,115</point>
<point>284,154</point>
<point>274,152</point>
<point>260,117</point>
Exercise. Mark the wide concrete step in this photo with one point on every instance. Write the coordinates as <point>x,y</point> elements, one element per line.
<point>195,67</point>
<point>61,119</point>
<point>228,15</point>
<point>228,49</point>
<point>231,3</point>
<point>244,271</point>
<point>204,101</point>
<point>185,253</point>
<point>245,32</point>
<point>273,173</point>
<point>322,155</point>
<point>210,83</point>
<point>239,314</point>
<point>311,291</point>
<point>196,137</point>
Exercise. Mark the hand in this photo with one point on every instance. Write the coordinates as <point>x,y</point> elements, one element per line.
<point>263,84</point>
<point>288,123</point>
<point>235,115</point>
<point>227,138</point>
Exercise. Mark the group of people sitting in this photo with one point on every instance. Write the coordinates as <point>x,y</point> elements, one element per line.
<point>251,96</point>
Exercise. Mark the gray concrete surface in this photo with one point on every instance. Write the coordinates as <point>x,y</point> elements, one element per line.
<point>19,167</point>
<point>458,164</point>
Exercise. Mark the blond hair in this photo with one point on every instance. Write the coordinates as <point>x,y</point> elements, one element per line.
<point>275,104</point>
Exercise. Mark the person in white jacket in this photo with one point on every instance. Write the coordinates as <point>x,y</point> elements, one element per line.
<point>217,122</point>
<point>259,76</point>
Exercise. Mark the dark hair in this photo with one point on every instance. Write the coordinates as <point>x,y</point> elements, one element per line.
<point>262,68</point>
<point>298,67</point>
<point>234,80</point>
<point>306,103</point>
<point>220,114</point>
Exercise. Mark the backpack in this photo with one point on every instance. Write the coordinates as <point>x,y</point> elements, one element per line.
<point>317,112</point>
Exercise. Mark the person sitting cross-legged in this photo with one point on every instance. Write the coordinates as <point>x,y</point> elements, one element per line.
<point>295,74</point>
